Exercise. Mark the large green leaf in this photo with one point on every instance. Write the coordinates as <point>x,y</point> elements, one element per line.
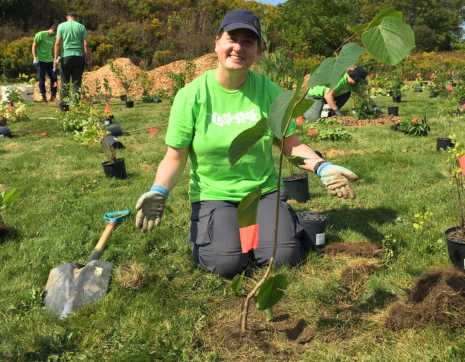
<point>246,140</point>
<point>296,160</point>
<point>237,282</point>
<point>271,292</point>
<point>246,213</point>
<point>302,107</point>
<point>390,41</point>
<point>332,69</point>
<point>11,197</point>
<point>357,28</point>
<point>384,14</point>
<point>281,110</point>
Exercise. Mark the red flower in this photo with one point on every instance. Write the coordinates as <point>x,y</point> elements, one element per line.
<point>148,80</point>
<point>418,74</point>
<point>55,84</point>
<point>452,72</point>
<point>463,106</point>
<point>115,80</point>
<point>405,80</point>
<point>312,131</point>
<point>371,76</point>
<point>400,73</point>
<point>414,120</point>
<point>449,88</point>
<point>169,85</point>
<point>299,120</point>
<point>432,76</point>
<point>119,84</point>
<point>448,72</point>
<point>376,75</point>
<point>9,106</point>
<point>395,76</point>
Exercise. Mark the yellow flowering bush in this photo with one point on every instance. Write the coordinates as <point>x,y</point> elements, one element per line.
<point>17,57</point>
<point>14,114</point>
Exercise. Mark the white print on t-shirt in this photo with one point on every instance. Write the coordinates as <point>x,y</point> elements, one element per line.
<point>228,119</point>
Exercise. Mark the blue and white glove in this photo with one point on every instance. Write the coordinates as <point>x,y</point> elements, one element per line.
<point>150,208</point>
<point>35,62</point>
<point>335,180</point>
<point>377,109</point>
<point>338,112</point>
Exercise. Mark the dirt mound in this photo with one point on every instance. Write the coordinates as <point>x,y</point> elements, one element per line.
<point>382,119</point>
<point>437,297</point>
<point>355,273</point>
<point>363,249</point>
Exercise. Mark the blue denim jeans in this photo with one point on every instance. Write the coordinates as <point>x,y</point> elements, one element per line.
<point>46,68</point>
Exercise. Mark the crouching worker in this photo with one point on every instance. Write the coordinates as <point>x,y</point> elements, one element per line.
<point>337,97</point>
<point>206,116</point>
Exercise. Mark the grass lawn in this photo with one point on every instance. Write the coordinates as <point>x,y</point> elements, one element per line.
<point>160,306</point>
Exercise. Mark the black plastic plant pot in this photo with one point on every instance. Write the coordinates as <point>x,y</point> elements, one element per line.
<point>296,188</point>
<point>394,127</point>
<point>417,90</point>
<point>5,132</point>
<point>115,130</point>
<point>314,225</point>
<point>443,143</point>
<point>396,99</point>
<point>156,100</point>
<point>64,107</point>
<point>393,111</point>
<point>116,169</point>
<point>111,140</point>
<point>461,103</point>
<point>453,84</point>
<point>129,104</point>
<point>456,249</point>
<point>109,120</point>
<point>123,98</point>
<point>433,95</point>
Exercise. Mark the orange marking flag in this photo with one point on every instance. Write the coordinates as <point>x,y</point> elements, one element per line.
<point>249,238</point>
<point>462,164</point>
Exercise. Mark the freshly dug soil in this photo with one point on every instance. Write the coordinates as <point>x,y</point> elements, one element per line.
<point>437,297</point>
<point>294,176</point>
<point>3,230</point>
<point>457,235</point>
<point>356,272</point>
<point>283,339</point>
<point>363,249</point>
<point>382,119</point>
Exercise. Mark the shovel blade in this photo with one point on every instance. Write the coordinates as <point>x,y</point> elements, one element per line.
<point>70,286</point>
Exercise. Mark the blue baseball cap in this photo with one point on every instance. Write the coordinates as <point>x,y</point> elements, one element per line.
<point>241,19</point>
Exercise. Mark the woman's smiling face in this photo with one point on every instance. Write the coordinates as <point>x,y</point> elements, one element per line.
<point>237,49</point>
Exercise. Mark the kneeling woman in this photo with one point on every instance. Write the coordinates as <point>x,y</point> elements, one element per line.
<point>205,117</point>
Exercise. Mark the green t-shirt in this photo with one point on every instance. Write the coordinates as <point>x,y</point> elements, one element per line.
<point>71,33</point>
<point>208,117</point>
<point>341,88</point>
<point>45,44</point>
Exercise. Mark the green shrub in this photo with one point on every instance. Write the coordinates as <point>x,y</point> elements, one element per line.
<point>17,57</point>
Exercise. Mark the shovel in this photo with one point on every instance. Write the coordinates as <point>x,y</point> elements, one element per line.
<point>70,286</point>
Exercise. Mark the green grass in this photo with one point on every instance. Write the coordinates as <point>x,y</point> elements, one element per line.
<point>176,315</point>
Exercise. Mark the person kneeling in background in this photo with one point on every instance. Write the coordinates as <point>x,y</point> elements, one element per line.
<point>337,97</point>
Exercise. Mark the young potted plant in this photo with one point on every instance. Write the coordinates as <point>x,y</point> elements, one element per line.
<point>446,115</point>
<point>147,83</point>
<point>396,89</point>
<point>455,236</point>
<point>114,167</point>
<point>415,127</point>
<point>127,85</point>
<point>121,80</point>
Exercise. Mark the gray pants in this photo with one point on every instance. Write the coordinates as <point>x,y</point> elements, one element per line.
<point>314,112</point>
<point>215,241</point>
<point>71,67</point>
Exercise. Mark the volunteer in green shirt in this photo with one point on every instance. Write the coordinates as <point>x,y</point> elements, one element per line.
<point>71,44</point>
<point>337,97</point>
<point>42,51</point>
<point>206,116</point>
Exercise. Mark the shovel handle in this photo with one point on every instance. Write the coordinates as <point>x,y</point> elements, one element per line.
<point>101,243</point>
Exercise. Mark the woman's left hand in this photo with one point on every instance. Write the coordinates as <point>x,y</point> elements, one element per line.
<point>335,179</point>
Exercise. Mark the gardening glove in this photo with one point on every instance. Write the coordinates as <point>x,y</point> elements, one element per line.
<point>338,112</point>
<point>377,109</point>
<point>150,208</point>
<point>335,180</point>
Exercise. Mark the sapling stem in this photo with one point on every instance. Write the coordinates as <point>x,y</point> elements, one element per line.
<point>268,270</point>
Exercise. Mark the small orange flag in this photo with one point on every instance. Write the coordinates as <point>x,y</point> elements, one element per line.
<point>152,130</point>
<point>312,131</point>
<point>414,120</point>
<point>449,88</point>
<point>249,238</point>
<point>9,106</point>
<point>55,84</point>
<point>107,108</point>
<point>462,164</point>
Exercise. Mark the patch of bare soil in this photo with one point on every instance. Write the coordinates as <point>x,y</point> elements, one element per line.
<point>382,119</point>
<point>353,275</point>
<point>438,297</point>
<point>363,249</point>
<point>4,232</point>
<point>457,235</point>
<point>282,339</point>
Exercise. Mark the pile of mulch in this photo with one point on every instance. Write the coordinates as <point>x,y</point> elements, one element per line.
<point>361,249</point>
<point>382,119</point>
<point>438,297</point>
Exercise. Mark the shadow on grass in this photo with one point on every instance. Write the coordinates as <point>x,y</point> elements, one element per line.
<point>362,221</point>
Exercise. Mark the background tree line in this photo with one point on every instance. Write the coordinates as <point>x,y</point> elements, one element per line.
<point>156,32</point>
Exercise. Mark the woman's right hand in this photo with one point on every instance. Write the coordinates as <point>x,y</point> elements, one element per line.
<point>150,208</point>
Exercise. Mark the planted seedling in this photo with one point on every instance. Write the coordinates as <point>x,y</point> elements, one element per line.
<point>388,39</point>
<point>415,127</point>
